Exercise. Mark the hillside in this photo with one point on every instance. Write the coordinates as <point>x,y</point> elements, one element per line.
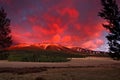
<point>59,48</point>
<point>39,53</point>
<point>88,52</point>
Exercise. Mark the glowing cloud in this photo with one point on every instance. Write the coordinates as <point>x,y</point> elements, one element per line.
<point>67,22</point>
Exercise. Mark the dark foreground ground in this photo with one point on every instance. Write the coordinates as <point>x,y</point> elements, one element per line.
<point>76,69</point>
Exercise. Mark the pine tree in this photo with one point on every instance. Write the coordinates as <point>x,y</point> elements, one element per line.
<point>111,14</point>
<point>5,37</point>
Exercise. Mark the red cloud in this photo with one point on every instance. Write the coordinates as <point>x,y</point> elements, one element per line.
<point>56,38</point>
<point>93,44</point>
<point>66,39</point>
<point>72,12</point>
<point>64,22</point>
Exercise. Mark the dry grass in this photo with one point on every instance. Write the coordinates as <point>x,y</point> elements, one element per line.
<point>88,69</point>
<point>93,73</point>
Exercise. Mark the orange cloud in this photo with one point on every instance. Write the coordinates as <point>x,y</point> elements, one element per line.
<point>56,38</point>
<point>66,39</point>
<point>92,44</point>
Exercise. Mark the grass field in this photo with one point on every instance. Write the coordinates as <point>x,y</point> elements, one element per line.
<point>92,68</point>
<point>67,74</point>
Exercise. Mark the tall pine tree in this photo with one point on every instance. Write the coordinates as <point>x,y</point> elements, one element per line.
<point>111,14</point>
<point>5,37</point>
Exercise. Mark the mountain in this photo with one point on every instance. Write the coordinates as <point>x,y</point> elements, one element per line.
<point>58,47</point>
<point>41,46</point>
<point>90,52</point>
<point>24,46</point>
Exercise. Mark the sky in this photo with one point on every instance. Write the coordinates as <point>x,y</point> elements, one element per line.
<point>65,22</point>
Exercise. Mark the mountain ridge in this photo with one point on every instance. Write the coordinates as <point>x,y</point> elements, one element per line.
<point>58,47</point>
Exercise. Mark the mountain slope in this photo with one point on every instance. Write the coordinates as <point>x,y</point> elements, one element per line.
<point>90,52</point>
<point>58,48</point>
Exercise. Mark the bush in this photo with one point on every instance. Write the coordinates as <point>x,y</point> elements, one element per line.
<point>37,56</point>
<point>4,55</point>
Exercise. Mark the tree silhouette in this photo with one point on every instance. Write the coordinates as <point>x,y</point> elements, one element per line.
<point>111,14</point>
<point>5,37</point>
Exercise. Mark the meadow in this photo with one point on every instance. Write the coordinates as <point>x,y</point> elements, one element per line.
<point>55,65</point>
<point>90,73</point>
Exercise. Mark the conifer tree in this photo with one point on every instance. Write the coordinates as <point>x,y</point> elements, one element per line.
<point>5,37</point>
<point>111,14</point>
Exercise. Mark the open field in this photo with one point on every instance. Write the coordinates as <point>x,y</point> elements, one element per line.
<point>90,68</point>
<point>75,62</point>
<point>67,74</point>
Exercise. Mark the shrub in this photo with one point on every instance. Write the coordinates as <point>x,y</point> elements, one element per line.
<point>4,55</point>
<point>37,56</point>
